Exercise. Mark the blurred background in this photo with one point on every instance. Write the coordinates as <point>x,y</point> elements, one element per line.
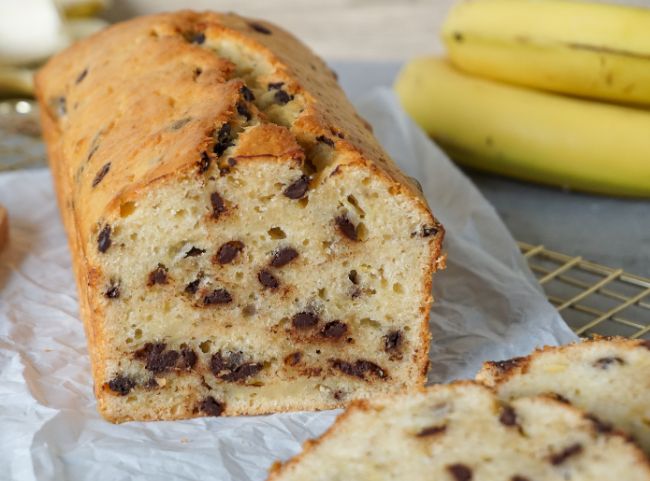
<point>367,42</point>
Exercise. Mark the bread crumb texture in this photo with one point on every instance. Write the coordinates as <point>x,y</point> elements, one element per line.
<point>241,242</point>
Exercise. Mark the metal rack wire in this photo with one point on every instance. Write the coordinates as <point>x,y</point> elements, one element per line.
<point>592,298</point>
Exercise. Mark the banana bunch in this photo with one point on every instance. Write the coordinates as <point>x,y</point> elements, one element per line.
<point>541,125</point>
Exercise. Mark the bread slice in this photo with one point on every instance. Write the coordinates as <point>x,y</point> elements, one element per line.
<point>609,377</point>
<point>461,432</point>
<point>241,242</point>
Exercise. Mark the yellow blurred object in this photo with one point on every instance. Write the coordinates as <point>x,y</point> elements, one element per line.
<point>81,8</point>
<point>585,49</point>
<point>528,134</point>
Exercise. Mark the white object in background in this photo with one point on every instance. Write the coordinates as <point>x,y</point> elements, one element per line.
<point>30,31</point>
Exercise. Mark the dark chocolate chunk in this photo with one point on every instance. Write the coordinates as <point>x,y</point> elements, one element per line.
<point>188,359</point>
<point>267,279</point>
<point>113,291</point>
<point>121,385</point>
<point>304,320</point>
<point>229,251</point>
<point>606,362</point>
<point>460,472</point>
<point>223,139</point>
<point>559,397</point>
<point>354,277</point>
<point>429,230</point>
<point>359,368</point>
<point>293,358</point>
<point>392,341</point>
<point>247,93</point>
<point>508,364</point>
<point>298,188</point>
<point>275,85</point>
<point>283,256</point>
<point>194,251</point>
<point>566,453</point>
<point>204,163</point>
<point>211,406</point>
<point>259,28</point>
<point>81,76</point>
<point>281,97</point>
<point>431,431</point>
<point>193,286</point>
<point>334,329</point>
<point>242,372</point>
<point>218,296</point>
<point>508,416</point>
<point>157,358</point>
<point>645,343</point>
<point>197,38</point>
<point>104,239</point>
<point>325,140</point>
<point>143,353</point>
<point>346,227</point>
<point>218,206</point>
<point>158,276</point>
<point>338,395</point>
<point>243,111</point>
<point>517,477</point>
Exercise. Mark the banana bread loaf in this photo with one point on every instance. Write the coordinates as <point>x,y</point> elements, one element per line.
<point>241,242</point>
<point>607,377</point>
<point>461,432</point>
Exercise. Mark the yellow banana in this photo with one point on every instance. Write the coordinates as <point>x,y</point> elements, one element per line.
<point>584,49</point>
<point>529,134</point>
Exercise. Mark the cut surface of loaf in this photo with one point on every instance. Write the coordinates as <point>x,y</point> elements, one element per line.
<point>462,432</point>
<point>241,242</point>
<point>609,377</point>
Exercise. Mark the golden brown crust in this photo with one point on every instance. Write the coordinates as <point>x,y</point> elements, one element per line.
<point>136,142</point>
<point>4,227</point>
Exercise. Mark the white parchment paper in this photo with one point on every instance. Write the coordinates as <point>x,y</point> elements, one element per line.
<point>488,307</point>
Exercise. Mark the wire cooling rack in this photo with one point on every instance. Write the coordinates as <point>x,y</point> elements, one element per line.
<point>592,298</point>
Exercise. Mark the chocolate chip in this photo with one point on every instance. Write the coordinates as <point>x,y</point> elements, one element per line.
<point>334,329</point>
<point>304,320</point>
<point>359,368</point>
<point>517,477</point>
<point>560,398</point>
<point>275,85</point>
<point>232,368</point>
<point>346,227</point>
<point>243,111</point>
<point>197,38</point>
<point>293,358</point>
<point>229,251</point>
<point>298,188</point>
<point>188,359</point>
<point>223,139</point>
<point>113,291</point>
<point>218,296</point>
<point>325,140</point>
<point>104,239</point>
<point>645,343</point>
<point>338,395</point>
<point>267,279</point>
<point>507,365</point>
<point>194,251</point>
<point>259,28</point>
<point>599,425</point>
<point>158,276</point>
<point>566,453</point>
<point>157,358</point>
<point>204,163</point>
<point>354,277</point>
<point>211,406</point>
<point>281,97</point>
<point>606,362</point>
<point>81,76</point>
<point>121,385</point>
<point>218,206</point>
<point>247,93</point>
<point>283,256</point>
<point>193,286</point>
<point>143,353</point>
<point>429,230</point>
<point>460,472</point>
<point>431,431</point>
<point>392,341</point>
<point>508,416</point>
<point>242,372</point>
